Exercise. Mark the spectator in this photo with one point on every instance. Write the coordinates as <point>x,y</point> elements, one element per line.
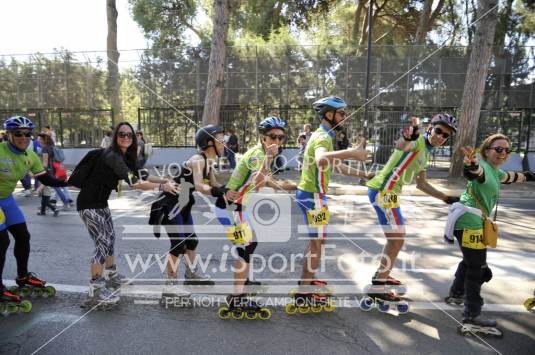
<point>106,140</point>
<point>51,133</point>
<point>342,142</point>
<point>307,130</point>
<point>232,146</point>
<point>141,158</point>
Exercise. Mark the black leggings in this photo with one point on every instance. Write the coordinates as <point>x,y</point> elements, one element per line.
<point>471,273</point>
<point>21,251</point>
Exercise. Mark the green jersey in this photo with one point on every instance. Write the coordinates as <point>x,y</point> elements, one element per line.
<point>401,168</point>
<point>241,179</point>
<point>487,193</point>
<point>313,178</point>
<point>14,165</point>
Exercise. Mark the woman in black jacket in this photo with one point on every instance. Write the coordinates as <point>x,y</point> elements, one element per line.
<point>118,162</point>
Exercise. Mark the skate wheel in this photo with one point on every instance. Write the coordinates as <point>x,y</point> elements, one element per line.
<point>238,315</point>
<point>290,308</point>
<point>316,309</point>
<point>292,292</point>
<point>250,315</point>
<point>26,292</point>
<point>366,304</point>
<point>403,307</point>
<point>265,314</point>
<point>330,307</point>
<point>50,291</point>
<point>303,309</point>
<point>529,303</point>
<point>3,308</point>
<point>25,306</point>
<point>38,292</point>
<point>383,306</point>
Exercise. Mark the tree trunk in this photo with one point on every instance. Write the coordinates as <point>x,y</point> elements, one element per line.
<point>364,28</point>
<point>474,84</point>
<point>421,30</point>
<point>356,19</point>
<point>113,83</point>
<point>216,70</point>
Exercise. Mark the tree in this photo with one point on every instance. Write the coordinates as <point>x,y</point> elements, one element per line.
<point>113,82</point>
<point>427,18</point>
<point>216,70</point>
<point>475,81</point>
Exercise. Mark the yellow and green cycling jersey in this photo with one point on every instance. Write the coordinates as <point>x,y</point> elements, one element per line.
<point>14,165</point>
<point>241,179</point>
<point>314,178</point>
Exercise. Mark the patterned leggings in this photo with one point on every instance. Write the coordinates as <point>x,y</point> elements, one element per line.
<point>100,226</point>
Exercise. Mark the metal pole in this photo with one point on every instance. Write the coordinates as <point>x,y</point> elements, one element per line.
<point>368,65</point>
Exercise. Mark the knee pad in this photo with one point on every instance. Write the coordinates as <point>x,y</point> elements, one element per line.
<point>487,274</point>
<point>245,252</point>
<point>178,245</point>
<point>192,242</point>
<point>475,274</point>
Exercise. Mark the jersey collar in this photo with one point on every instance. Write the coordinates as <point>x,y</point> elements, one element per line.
<point>327,130</point>
<point>14,149</point>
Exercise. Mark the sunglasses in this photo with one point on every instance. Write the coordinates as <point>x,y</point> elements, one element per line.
<point>128,135</point>
<point>22,134</point>
<point>280,137</point>
<point>500,150</point>
<point>440,131</point>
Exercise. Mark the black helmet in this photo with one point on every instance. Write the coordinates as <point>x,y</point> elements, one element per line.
<point>269,123</point>
<point>206,134</point>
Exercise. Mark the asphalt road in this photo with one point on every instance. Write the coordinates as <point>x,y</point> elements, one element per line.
<point>61,249</point>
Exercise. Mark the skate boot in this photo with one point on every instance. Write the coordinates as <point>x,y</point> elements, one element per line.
<point>30,286</point>
<point>114,280</point>
<point>254,287</point>
<point>240,306</point>
<point>100,296</point>
<point>530,303</point>
<point>195,277</point>
<point>381,297</point>
<point>11,303</point>
<point>173,295</point>
<point>393,284</point>
<point>455,298</point>
<point>479,325</point>
<point>305,302</point>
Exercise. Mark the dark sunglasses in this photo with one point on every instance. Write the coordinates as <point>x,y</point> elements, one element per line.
<point>128,135</point>
<point>22,134</point>
<point>440,131</point>
<point>500,150</point>
<point>280,137</point>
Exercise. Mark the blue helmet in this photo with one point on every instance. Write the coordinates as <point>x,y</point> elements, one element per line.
<point>18,122</point>
<point>446,120</point>
<point>329,103</point>
<point>269,123</point>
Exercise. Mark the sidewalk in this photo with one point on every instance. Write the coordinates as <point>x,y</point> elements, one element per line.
<point>347,185</point>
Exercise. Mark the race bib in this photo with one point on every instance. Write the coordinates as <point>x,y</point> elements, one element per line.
<point>388,200</point>
<point>318,218</point>
<point>240,234</point>
<point>2,217</point>
<point>473,239</point>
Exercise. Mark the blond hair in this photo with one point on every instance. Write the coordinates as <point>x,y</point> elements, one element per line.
<point>488,142</point>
